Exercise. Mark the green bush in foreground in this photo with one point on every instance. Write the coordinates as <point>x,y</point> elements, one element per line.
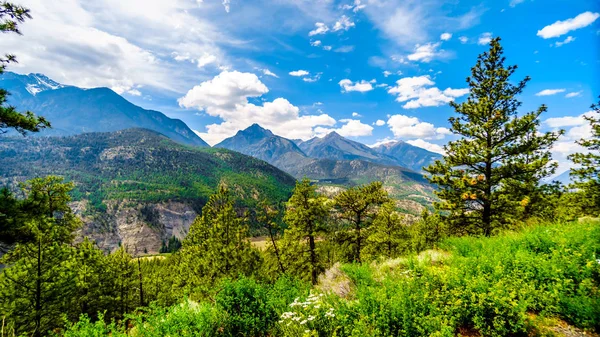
<point>495,286</point>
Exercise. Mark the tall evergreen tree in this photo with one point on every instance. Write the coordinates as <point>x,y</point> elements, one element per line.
<point>388,234</point>
<point>217,245</point>
<point>36,286</point>
<point>10,17</point>
<point>92,281</point>
<point>587,175</point>
<point>357,207</point>
<point>121,272</point>
<point>306,215</point>
<point>488,175</point>
<point>267,217</point>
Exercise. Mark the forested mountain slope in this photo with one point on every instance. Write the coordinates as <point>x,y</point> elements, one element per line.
<point>137,187</point>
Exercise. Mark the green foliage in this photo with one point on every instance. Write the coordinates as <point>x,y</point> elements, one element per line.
<point>86,327</point>
<point>36,285</point>
<point>484,286</point>
<point>357,207</point>
<point>217,245</point>
<point>388,235</point>
<point>490,174</point>
<point>12,218</point>
<point>143,167</point>
<point>10,17</point>
<point>246,303</point>
<point>171,246</point>
<point>306,216</point>
<point>587,174</point>
<point>427,232</point>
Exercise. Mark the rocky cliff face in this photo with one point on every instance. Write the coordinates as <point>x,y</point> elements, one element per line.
<point>139,227</point>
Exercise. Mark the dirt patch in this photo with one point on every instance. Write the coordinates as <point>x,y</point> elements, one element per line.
<point>334,280</point>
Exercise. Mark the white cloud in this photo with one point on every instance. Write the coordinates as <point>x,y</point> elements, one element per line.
<point>563,27</point>
<point>550,92</point>
<point>407,23</point>
<point>227,5</point>
<point>576,128</point>
<point>315,78</point>
<point>380,122</point>
<point>387,73</point>
<point>356,7</point>
<point>383,141</point>
<point>463,39</point>
<point>344,49</point>
<point>315,43</point>
<point>321,28</point>
<point>343,23</point>
<point>327,48</point>
<point>351,128</point>
<point>427,146</point>
<point>561,122</point>
<point>356,114</point>
<point>418,92</point>
<point>78,42</point>
<point>569,39</point>
<point>425,53</point>
<point>267,72</point>
<point>299,73</point>
<point>226,96</point>
<point>360,86</point>
<point>456,92</point>
<point>205,60</point>
<point>484,39</point>
<point>410,127</point>
<point>574,94</point>
<point>445,36</point>
<point>224,92</point>
<point>134,92</point>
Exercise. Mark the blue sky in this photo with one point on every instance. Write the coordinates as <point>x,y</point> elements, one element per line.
<point>372,70</point>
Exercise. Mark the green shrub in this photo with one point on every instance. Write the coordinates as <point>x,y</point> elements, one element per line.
<point>247,308</point>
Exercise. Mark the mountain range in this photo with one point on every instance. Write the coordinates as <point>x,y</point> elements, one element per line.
<point>334,161</point>
<point>72,110</point>
<point>137,187</point>
<point>331,160</point>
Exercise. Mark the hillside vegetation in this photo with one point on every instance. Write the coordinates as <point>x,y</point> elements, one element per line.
<point>140,165</point>
<point>520,283</point>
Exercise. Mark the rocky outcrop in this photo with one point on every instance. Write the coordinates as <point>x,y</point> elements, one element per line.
<point>139,227</point>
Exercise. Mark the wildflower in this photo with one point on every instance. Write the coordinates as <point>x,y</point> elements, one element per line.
<point>310,317</point>
<point>303,322</point>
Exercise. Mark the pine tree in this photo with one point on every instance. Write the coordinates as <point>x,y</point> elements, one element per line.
<point>425,233</point>
<point>267,217</point>
<point>36,286</point>
<point>217,245</point>
<point>10,17</point>
<point>306,215</point>
<point>120,271</point>
<point>90,266</point>
<point>357,206</point>
<point>12,220</point>
<point>388,234</point>
<point>489,174</point>
<point>587,175</point>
